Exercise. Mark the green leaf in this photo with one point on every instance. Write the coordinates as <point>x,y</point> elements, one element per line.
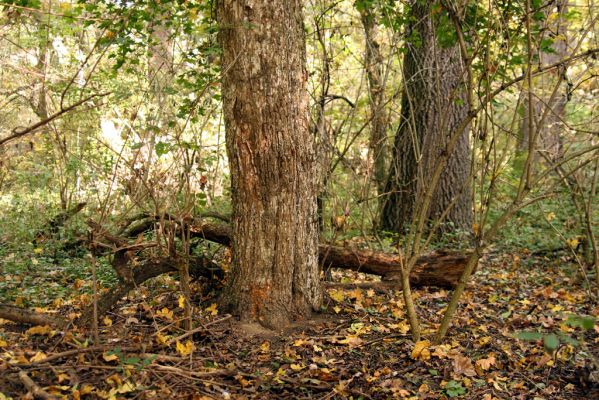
<point>550,342</point>
<point>454,389</point>
<point>162,148</point>
<point>581,321</point>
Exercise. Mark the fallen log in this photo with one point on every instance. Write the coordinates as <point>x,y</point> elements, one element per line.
<point>440,268</point>
<point>26,316</point>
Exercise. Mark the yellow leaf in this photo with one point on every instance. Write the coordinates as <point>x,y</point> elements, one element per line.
<point>114,380</point>
<point>40,330</point>
<point>166,314</point>
<point>550,216</point>
<point>337,295</point>
<point>212,309</point>
<point>79,283</point>
<point>421,351</point>
<point>352,340</point>
<point>265,347</point>
<point>484,340</point>
<point>573,243</point>
<point>127,387</point>
<point>185,349</point>
<point>296,367</point>
<point>109,357</point>
<point>86,389</point>
<point>107,321</point>
<point>402,327</point>
<point>39,356</point>
<point>337,309</point>
<point>34,261</point>
<point>62,377</point>
<point>38,250</point>
<point>300,342</point>
<point>442,350</point>
<point>3,343</point>
<point>162,339</point>
<point>485,363</point>
<point>181,301</point>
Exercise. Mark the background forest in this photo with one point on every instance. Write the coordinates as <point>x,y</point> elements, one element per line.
<point>456,165</point>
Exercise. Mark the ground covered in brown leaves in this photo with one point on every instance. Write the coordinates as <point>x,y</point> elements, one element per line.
<point>358,348</point>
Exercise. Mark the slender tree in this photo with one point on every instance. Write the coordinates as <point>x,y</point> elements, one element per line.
<point>434,103</point>
<point>373,62</point>
<point>549,94</point>
<point>275,275</point>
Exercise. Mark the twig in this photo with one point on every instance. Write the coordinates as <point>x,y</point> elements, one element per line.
<point>34,388</point>
<point>18,133</point>
<point>199,329</point>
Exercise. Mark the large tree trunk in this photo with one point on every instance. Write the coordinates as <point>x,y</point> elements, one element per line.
<point>434,103</point>
<point>275,275</point>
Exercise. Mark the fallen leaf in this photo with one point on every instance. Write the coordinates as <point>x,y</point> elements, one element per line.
<point>185,349</point>
<point>40,330</point>
<point>212,309</point>
<point>462,365</point>
<point>485,363</point>
<point>421,351</point>
<point>166,314</point>
<point>39,356</point>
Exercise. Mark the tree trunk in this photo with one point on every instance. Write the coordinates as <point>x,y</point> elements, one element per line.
<point>373,64</point>
<point>434,102</point>
<point>275,275</point>
<point>543,99</point>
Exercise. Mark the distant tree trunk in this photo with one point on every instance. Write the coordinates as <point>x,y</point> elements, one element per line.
<point>550,141</point>
<point>434,102</point>
<point>275,274</point>
<point>373,64</point>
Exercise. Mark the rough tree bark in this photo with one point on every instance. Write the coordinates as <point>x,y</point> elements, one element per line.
<point>434,102</point>
<point>275,274</point>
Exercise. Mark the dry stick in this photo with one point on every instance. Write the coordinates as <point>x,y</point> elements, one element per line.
<point>34,388</point>
<point>19,133</point>
<point>199,329</point>
<point>73,352</point>
<point>589,216</point>
<point>95,329</point>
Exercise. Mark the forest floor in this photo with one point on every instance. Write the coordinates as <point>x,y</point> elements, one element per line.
<point>359,347</point>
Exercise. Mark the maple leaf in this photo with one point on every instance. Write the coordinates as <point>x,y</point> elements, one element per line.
<point>166,314</point>
<point>212,309</point>
<point>352,340</point>
<point>421,351</point>
<point>485,363</point>
<point>162,339</point>
<point>185,349</point>
<point>462,365</point>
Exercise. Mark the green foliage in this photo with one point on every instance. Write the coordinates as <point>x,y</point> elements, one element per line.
<point>454,389</point>
<point>552,340</point>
